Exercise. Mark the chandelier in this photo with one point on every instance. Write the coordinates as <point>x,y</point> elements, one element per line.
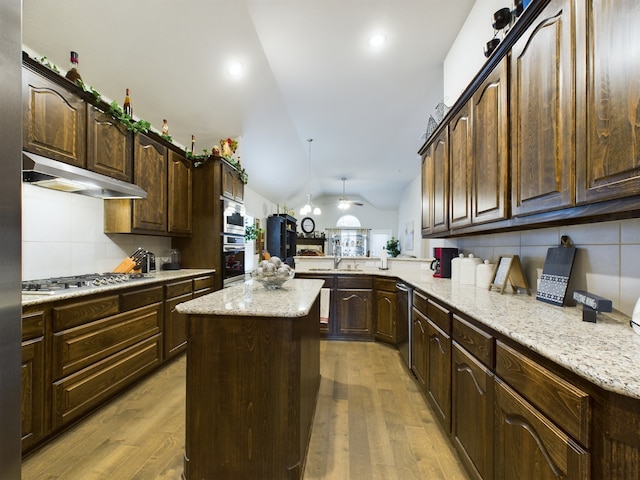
<point>309,207</point>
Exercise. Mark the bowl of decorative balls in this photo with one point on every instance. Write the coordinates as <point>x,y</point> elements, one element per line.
<point>273,273</point>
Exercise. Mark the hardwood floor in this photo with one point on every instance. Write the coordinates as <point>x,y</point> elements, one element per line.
<point>371,422</point>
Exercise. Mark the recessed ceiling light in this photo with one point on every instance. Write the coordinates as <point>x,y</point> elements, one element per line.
<point>377,40</point>
<point>235,69</point>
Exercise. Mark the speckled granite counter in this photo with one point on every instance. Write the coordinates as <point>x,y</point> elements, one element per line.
<point>294,299</point>
<point>606,353</point>
<point>155,277</point>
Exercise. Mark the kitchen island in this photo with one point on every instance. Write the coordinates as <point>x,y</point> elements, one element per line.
<point>253,373</point>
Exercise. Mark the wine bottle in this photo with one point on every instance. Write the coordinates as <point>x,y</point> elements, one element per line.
<point>73,74</point>
<point>126,107</point>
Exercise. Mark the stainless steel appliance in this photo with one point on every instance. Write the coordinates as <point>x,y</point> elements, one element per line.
<point>232,217</point>
<point>232,259</point>
<point>51,286</point>
<point>404,294</point>
<point>10,307</point>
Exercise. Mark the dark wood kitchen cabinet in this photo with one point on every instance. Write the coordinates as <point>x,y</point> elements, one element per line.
<point>439,360</point>
<point>54,120</point>
<point>435,186</point>
<point>608,136</point>
<point>109,146</point>
<point>354,307</point>
<point>148,215</point>
<point>543,112</point>
<point>472,405</point>
<point>490,148</point>
<point>175,323</point>
<point>33,378</point>
<point>420,339</point>
<point>180,194</point>
<point>232,185</point>
<point>461,161</point>
<point>386,311</point>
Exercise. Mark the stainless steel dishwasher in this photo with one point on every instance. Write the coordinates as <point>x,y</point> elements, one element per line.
<point>404,294</point>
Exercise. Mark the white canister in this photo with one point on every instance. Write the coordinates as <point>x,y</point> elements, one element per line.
<point>455,267</point>
<point>468,269</point>
<point>484,274</point>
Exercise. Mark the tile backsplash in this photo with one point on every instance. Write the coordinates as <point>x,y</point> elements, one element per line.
<point>62,234</point>
<point>607,261</point>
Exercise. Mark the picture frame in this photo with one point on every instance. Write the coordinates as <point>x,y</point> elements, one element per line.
<point>509,269</point>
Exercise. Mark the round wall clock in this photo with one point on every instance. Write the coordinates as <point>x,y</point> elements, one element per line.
<point>308,225</point>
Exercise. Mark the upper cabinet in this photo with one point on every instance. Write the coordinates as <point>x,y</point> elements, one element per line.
<point>543,112</point>
<point>490,152</point>
<point>180,192</point>
<point>232,185</point>
<point>549,129</point>
<point>109,146</point>
<point>608,138</point>
<point>54,120</point>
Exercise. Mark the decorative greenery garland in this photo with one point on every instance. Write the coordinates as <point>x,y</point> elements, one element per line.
<point>143,126</point>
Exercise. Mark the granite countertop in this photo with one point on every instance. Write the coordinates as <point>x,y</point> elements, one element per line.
<point>155,277</point>
<point>607,353</point>
<point>250,298</point>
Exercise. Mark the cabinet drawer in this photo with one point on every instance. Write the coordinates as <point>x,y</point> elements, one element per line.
<point>81,392</point>
<point>478,343</point>
<point>365,282</point>
<point>81,346</point>
<point>178,288</point>
<point>69,316</point>
<point>386,284</point>
<point>202,283</point>
<point>562,402</point>
<point>439,315</point>
<point>32,325</point>
<point>140,298</point>
<point>420,302</point>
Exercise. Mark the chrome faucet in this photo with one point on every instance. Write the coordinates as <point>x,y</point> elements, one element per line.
<point>337,253</point>
<point>336,260</point>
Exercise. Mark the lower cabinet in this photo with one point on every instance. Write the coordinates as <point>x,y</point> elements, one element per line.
<point>420,339</point>
<point>386,306</point>
<point>33,384</point>
<point>175,324</point>
<point>439,373</point>
<point>472,413</point>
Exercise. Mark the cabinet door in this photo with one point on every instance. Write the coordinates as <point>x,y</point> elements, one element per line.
<point>543,113</point>
<point>354,312</point>
<point>608,137</point>
<point>180,181</point>
<point>472,413</point>
<point>440,197</point>
<point>490,124</point>
<point>232,186</point>
<point>461,162</point>
<point>54,120</point>
<point>427,190</point>
<point>33,410</point>
<point>420,348</point>
<point>109,146</point>
<point>150,173</point>
<point>439,373</point>
<point>386,316</point>
<point>529,445</point>
<point>175,327</point>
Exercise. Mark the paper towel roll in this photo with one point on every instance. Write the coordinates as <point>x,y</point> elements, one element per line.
<point>383,260</point>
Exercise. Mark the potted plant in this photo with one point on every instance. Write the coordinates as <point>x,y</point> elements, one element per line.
<point>393,247</point>
<point>251,232</point>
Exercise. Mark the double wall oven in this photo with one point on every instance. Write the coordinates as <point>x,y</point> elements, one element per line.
<point>232,242</point>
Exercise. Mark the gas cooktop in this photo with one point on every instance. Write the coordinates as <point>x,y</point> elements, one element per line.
<point>50,286</point>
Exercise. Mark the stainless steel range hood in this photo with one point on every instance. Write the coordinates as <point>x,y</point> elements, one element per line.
<point>45,172</point>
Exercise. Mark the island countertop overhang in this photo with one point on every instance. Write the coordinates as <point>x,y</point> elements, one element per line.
<point>294,299</point>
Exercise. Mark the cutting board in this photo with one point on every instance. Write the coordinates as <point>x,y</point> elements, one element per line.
<point>555,275</point>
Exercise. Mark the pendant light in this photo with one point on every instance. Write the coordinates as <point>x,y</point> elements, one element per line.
<point>310,207</point>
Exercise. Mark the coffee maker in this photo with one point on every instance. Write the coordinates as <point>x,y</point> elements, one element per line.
<point>441,264</point>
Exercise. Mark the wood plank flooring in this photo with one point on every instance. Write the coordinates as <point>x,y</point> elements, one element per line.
<point>371,422</point>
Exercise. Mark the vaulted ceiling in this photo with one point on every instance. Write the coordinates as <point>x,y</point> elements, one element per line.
<point>309,73</point>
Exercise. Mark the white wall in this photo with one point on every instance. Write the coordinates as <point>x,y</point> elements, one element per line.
<point>62,234</point>
<point>466,56</point>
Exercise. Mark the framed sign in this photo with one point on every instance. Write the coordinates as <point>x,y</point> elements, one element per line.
<point>509,269</point>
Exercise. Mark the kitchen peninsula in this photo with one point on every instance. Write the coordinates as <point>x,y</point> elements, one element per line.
<point>253,373</point>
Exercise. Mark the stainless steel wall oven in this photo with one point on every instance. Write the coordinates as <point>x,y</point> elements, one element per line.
<point>232,259</point>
